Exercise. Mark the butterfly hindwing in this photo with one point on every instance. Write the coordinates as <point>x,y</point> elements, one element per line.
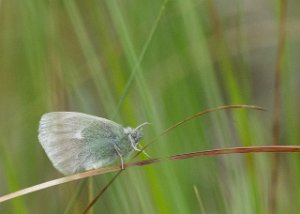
<point>76,142</point>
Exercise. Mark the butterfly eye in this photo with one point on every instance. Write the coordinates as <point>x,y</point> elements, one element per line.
<point>137,135</point>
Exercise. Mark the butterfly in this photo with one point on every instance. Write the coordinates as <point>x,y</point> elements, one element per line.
<point>77,142</point>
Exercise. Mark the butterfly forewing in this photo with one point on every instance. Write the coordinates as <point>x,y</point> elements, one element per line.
<point>76,142</point>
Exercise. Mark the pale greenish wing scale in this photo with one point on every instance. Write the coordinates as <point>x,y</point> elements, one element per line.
<point>76,142</point>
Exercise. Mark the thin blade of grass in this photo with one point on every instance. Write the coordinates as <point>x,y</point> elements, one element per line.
<point>173,127</point>
<point>198,115</point>
<point>101,192</point>
<point>277,104</point>
<point>141,57</point>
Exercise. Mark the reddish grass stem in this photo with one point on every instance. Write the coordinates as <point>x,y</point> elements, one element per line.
<point>213,152</point>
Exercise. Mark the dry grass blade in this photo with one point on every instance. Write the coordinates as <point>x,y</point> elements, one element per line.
<point>232,150</point>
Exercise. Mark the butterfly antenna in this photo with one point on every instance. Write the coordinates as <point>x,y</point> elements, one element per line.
<point>143,124</point>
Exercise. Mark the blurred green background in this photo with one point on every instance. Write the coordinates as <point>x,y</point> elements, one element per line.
<point>157,61</point>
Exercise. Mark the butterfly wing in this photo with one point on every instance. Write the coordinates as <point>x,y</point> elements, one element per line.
<point>76,142</point>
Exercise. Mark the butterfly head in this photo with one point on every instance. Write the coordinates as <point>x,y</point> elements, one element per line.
<point>135,133</point>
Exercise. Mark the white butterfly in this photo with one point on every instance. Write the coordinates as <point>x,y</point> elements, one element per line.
<point>76,142</point>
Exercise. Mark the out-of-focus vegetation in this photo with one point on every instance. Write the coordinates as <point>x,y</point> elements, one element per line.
<point>157,61</point>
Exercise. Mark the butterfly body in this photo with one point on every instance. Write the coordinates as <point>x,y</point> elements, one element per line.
<point>76,142</point>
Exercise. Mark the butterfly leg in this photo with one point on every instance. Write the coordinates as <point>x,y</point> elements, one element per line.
<point>133,145</point>
<point>145,153</point>
<point>120,155</point>
<point>135,148</point>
